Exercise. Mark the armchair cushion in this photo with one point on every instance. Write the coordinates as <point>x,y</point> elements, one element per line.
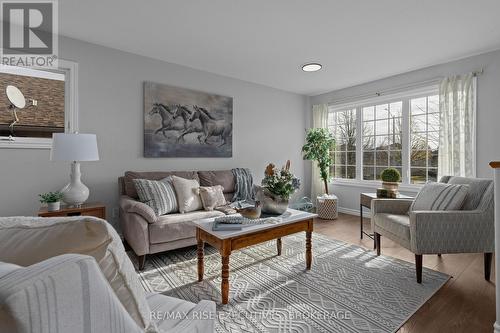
<point>439,196</point>
<point>394,226</point>
<point>130,205</point>
<point>28,240</point>
<point>477,189</point>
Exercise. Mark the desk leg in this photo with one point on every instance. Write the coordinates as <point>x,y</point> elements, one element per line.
<point>361,221</point>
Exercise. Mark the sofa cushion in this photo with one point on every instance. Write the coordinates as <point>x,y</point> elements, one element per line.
<point>225,178</point>
<point>177,226</point>
<point>159,195</point>
<point>477,187</point>
<point>439,196</point>
<point>187,191</point>
<point>398,225</point>
<point>212,196</point>
<point>152,175</point>
<point>28,240</point>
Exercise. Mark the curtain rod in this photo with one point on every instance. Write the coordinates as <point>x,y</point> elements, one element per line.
<point>396,89</point>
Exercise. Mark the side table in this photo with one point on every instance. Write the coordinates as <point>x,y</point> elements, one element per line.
<point>365,200</point>
<point>91,209</point>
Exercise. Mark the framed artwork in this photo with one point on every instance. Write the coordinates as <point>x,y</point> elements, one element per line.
<point>180,122</point>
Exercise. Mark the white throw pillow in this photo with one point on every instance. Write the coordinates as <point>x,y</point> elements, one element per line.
<point>212,196</point>
<point>187,194</point>
<point>440,196</point>
<point>25,241</point>
<point>159,195</point>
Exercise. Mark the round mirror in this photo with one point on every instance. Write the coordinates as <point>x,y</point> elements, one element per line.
<point>15,96</point>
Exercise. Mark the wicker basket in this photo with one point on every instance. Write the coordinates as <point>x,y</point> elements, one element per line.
<point>327,207</point>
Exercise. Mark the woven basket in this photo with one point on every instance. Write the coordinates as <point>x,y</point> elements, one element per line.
<point>327,207</point>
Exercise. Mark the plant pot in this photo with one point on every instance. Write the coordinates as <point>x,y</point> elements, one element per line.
<point>53,206</point>
<point>390,186</point>
<point>271,204</point>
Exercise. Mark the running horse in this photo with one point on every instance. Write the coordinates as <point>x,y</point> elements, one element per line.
<point>167,115</point>
<point>212,126</point>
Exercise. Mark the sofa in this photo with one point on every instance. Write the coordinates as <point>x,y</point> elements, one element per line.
<point>77,268</point>
<point>147,233</point>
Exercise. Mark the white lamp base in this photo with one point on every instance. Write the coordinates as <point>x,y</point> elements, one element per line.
<point>75,193</point>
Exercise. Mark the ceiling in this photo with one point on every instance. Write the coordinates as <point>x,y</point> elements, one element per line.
<point>266,42</point>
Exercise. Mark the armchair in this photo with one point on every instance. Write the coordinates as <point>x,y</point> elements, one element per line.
<point>470,230</point>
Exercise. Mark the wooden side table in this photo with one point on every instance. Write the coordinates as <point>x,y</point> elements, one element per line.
<point>91,209</point>
<point>365,200</point>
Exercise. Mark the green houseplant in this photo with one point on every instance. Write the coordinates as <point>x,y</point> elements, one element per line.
<point>319,143</point>
<point>390,179</point>
<point>52,199</point>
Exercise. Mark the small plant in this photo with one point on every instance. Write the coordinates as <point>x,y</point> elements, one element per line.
<point>280,182</point>
<point>50,197</point>
<point>390,175</point>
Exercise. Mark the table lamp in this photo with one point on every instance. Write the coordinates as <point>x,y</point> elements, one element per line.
<point>74,147</point>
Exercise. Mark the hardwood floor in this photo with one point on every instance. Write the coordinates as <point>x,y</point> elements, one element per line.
<point>465,304</point>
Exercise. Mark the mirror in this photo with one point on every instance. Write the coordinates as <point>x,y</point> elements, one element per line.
<point>15,96</point>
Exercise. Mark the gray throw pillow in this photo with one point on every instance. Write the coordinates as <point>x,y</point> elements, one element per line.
<point>159,195</point>
<point>439,196</point>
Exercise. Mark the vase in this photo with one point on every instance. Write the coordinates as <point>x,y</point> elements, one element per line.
<point>271,204</point>
<point>390,186</point>
<point>53,206</point>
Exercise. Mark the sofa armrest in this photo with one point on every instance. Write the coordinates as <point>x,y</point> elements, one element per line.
<point>391,206</point>
<point>461,231</point>
<point>135,228</point>
<point>129,205</point>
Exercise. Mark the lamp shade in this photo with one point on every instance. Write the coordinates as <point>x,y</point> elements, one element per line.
<point>74,147</point>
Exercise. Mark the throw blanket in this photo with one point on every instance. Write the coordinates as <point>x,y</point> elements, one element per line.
<point>244,185</point>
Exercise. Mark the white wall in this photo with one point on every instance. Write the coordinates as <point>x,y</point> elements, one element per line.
<point>268,126</point>
<point>488,110</point>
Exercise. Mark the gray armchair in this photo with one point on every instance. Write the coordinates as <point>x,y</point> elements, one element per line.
<point>470,230</point>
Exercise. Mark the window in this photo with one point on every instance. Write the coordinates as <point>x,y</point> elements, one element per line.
<point>343,126</point>
<point>399,131</point>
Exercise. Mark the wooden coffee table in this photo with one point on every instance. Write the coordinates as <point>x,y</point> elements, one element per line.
<point>291,222</point>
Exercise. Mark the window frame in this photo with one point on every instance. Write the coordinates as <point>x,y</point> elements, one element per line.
<point>404,96</point>
<point>70,70</point>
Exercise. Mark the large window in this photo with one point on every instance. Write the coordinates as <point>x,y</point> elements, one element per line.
<point>399,131</point>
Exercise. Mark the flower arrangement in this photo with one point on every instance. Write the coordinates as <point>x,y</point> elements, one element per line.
<point>280,182</point>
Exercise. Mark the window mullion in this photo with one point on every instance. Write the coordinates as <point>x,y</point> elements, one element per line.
<point>405,152</point>
<point>359,143</point>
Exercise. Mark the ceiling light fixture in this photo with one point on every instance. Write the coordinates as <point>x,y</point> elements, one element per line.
<point>311,67</point>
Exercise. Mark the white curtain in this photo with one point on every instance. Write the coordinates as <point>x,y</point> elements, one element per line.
<point>457,130</point>
<point>320,120</point>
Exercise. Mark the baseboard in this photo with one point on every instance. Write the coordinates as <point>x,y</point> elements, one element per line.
<point>355,212</point>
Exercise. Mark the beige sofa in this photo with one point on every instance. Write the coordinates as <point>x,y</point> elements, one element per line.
<point>147,233</point>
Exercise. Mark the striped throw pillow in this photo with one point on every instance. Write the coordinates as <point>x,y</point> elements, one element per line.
<point>159,195</point>
<point>439,196</point>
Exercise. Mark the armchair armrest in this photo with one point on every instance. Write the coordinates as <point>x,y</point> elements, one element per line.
<point>391,206</point>
<point>129,205</point>
<point>461,231</point>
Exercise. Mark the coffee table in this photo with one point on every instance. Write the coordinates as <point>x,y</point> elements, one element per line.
<point>291,222</point>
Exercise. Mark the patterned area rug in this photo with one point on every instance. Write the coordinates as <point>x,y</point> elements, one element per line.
<point>349,289</point>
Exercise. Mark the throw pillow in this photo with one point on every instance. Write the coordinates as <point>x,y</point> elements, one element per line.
<point>212,196</point>
<point>159,195</point>
<point>187,194</point>
<point>439,196</point>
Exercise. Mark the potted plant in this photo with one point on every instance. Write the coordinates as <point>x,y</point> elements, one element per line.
<point>277,187</point>
<point>52,199</point>
<point>390,179</point>
<point>319,143</point>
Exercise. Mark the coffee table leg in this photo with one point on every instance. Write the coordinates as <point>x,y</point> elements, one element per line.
<point>278,245</point>
<point>308,250</point>
<point>225,279</point>
<point>201,267</point>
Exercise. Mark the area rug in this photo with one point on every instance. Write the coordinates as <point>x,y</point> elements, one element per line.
<point>348,289</point>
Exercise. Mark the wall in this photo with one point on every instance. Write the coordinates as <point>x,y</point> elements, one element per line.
<point>268,125</point>
<point>488,110</point>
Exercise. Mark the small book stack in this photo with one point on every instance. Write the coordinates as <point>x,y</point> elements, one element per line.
<point>387,193</point>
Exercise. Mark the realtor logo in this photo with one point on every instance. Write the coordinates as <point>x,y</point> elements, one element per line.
<point>29,33</point>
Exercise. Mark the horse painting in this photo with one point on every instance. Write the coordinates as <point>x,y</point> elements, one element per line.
<point>181,122</point>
